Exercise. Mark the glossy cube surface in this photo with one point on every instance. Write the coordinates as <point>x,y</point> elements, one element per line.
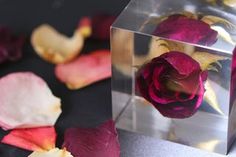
<point>173,71</point>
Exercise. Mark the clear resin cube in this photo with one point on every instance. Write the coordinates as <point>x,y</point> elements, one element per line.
<point>174,71</point>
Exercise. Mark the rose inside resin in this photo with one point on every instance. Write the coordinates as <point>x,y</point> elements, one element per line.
<point>183,28</point>
<point>173,83</point>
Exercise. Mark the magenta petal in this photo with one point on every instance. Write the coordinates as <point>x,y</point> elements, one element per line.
<point>181,62</point>
<point>180,27</point>
<point>101,24</point>
<point>183,109</point>
<point>10,45</point>
<point>156,96</point>
<point>173,83</point>
<point>93,142</point>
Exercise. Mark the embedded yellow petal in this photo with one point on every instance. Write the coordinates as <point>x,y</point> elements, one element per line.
<point>230,3</point>
<point>223,32</point>
<point>205,58</point>
<point>160,46</point>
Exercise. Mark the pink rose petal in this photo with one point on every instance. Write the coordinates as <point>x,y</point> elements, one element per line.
<point>85,70</point>
<point>36,139</point>
<point>26,101</point>
<point>93,142</point>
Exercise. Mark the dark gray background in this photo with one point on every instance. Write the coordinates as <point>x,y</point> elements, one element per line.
<point>87,107</point>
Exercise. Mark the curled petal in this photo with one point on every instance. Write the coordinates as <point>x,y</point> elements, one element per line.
<point>52,153</point>
<point>178,59</point>
<point>230,3</point>
<point>93,142</point>
<point>183,28</point>
<point>55,47</point>
<point>157,96</point>
<point>34,139</point>
<point>85,70</point>
<point>26,101</point>
<point>205,59</point>
<point>173,84</point>
<point>183,109</point>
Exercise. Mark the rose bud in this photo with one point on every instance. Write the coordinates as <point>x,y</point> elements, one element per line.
<point>180,27</point>
<point>173,83</point>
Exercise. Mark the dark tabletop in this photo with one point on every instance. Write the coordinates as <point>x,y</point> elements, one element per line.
<point>89,106</point>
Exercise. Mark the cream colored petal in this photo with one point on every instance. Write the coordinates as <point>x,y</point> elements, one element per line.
<point>210,19</point>
<point>26,102</point>
<point>230,3</point>
<point>52,153</point>
<point>216,24</point>
<point>160,46</point>
<point>223,34</point>
<point>55,47</point>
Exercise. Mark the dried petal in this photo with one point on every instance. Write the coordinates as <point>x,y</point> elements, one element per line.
<point>34,139</point>
<point>85,70</point>
<point>224,27</point>
<point>183,28</point>
<point>10,45</point>
<point>159,46</point>
<point>176,91</point>
<point>230,3</point>
<point>55,47</point>
<point>93,142</point>
<point>101,24</point>
<point>26,101</point>
<point>52,153</point>
<point>205,59</point>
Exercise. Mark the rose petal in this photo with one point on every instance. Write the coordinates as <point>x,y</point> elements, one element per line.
<point>157,96</point>
<point>180,27</point>
<point>26,101</point>
<point>10,45</point>
<point>93,142</point>
<point>101,24</point>
<point>52,153</point>
<point>55,47</point>
<point>175,90</point>
<point>187,85</point>
<point>178,59</point>
<point>183,109</point>
<point>85,70</point>
<point>35,139</point>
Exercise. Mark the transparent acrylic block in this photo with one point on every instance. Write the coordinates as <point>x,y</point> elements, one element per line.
<point>173,71</point>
